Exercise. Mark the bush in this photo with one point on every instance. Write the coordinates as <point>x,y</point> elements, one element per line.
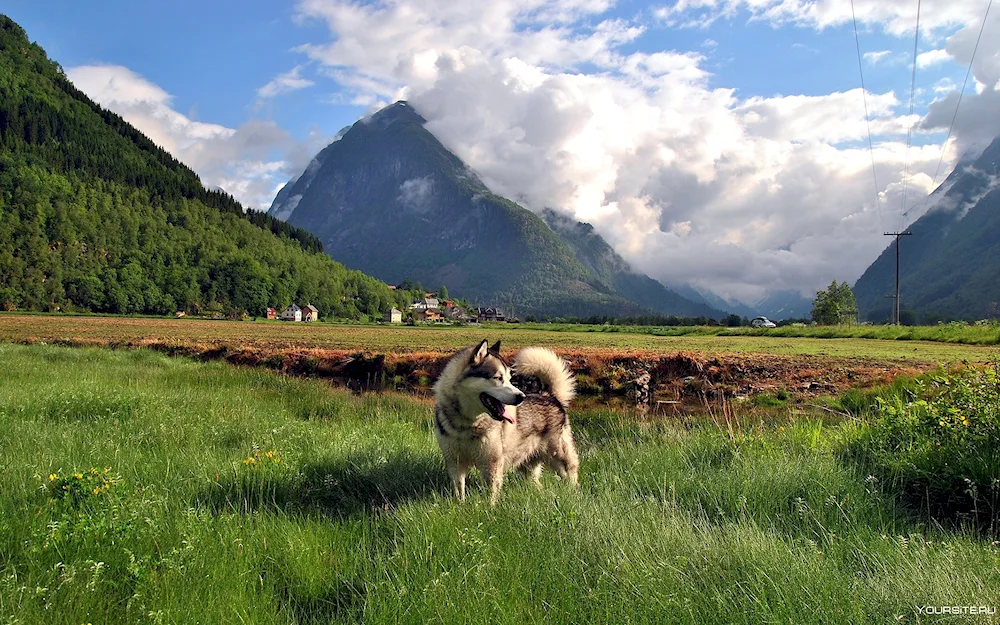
<point>939,449</point>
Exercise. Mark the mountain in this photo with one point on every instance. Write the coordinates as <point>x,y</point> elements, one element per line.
<point>778,305</point>
<point>614,274</point>
<point>387,198</point>
<point>950,266</point>
<point>94,216</point>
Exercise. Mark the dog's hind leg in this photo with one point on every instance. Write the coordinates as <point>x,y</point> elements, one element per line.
<point>566,462</point>
<point>534,469</point>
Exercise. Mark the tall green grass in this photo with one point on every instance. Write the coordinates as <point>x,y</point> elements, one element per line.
<point>936,442</point>
<point>235,495</point>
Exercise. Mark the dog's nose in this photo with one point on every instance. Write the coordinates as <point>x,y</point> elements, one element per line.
<point>518,399</point>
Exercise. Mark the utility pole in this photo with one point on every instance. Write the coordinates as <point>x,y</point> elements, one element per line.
<point>895,307</point>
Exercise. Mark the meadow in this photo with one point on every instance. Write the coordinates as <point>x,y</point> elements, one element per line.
<point>143,488</point>
<point>885,343</point>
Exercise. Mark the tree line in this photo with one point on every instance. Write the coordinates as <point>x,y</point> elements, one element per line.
<point>71,243</point>
<point>95,217</point>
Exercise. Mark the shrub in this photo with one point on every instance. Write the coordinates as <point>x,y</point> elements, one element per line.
<point>940,449</point>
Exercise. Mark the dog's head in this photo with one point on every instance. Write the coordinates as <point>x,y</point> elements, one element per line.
<point>488,377</point>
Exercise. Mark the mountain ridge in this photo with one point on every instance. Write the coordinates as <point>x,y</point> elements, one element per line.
<point>449,228</point>
<point>949,266</point>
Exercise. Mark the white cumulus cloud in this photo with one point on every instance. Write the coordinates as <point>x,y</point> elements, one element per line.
<point>247,162</point>
<point>932,57</point>
<point>287,82</point>
<point>877,57</point>
<point>689,181</point>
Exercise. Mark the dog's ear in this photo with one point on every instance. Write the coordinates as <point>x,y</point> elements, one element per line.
<point>480,354</point>
<point>496,348</point>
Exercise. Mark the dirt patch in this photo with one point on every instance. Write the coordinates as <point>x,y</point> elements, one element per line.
<point>643,377</point>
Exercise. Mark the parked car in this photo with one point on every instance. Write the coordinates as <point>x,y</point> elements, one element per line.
<point>763,322</point>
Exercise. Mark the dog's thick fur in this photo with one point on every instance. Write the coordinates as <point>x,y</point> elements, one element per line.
<point>481,420</point>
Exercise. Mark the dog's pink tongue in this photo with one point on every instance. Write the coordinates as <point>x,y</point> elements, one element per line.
<point>509,414</point>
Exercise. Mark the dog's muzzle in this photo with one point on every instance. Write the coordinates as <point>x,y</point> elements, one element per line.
<point>498,409</point>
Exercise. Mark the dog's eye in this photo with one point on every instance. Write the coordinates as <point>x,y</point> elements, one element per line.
<point>498,378</point>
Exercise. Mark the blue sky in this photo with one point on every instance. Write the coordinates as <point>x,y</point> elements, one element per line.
<point>719,142</point>
<point>212,57</point>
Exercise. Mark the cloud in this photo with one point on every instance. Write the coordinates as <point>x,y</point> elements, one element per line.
<point>417,193</point>
<point>977,121</point>
<point>248,161</point>
<point>874,58</point>
<point>685,179</point>
<point>832,118</point>
<point>896,17</point>
<point>932,57</point>
<point>285,83</point>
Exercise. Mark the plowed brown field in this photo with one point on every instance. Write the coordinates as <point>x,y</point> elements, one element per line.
<point>605,362</point>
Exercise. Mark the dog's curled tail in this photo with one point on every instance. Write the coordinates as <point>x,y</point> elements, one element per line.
<point>552,370</point>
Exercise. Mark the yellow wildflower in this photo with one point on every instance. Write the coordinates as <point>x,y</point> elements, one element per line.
<point>53,477</point>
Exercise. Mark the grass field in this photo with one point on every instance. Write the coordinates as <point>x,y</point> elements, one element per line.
<point>142,488</point>
<point>957,332</point>
<point>140,331</point>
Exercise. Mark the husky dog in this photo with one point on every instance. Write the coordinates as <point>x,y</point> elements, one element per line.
<point>481,420</point>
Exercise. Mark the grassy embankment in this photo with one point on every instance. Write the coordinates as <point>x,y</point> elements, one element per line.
<point>222,494</point>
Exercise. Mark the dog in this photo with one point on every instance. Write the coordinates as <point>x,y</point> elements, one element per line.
<point>482,420</point>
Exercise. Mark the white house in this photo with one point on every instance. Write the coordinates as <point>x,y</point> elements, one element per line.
<point>292,313</point>
<point>395,315</point>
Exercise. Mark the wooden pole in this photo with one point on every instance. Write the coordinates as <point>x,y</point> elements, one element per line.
<point>895,307</point>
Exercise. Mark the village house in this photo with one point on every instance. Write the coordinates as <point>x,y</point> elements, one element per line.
<point>271,313</point>
<point>425,304</point>
<point>310,313</point>
<point>429,315</point>
<point>394,315</point>
<point>490,314</point>
<point>292,313</point>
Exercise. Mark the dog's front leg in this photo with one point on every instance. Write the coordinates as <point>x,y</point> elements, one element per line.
<point>493,473</point>
<point>458,471</point>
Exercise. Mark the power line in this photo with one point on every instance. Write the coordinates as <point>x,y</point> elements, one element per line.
<point>961,93</point>
<point>909,131</point>
<point>864,97</point>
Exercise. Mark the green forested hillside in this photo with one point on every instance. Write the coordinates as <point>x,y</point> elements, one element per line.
<point>94,216</point>
<point>950,266</point>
